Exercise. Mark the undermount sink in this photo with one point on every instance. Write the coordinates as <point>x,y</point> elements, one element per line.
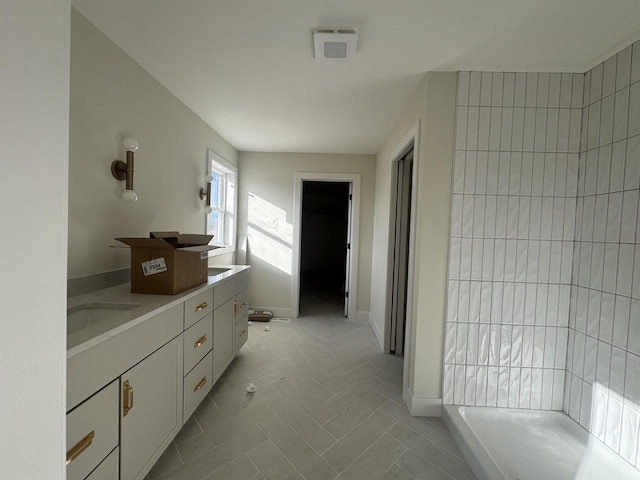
<point>217,271</point>
<point>89,320</point>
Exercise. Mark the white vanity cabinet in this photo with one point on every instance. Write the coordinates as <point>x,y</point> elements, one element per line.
<point>241,323</point>
<point>130,393</point>
<point>151,409</point>
<point>92,432</point>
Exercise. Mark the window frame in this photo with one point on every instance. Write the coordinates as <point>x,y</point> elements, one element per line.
<point>229,174</point>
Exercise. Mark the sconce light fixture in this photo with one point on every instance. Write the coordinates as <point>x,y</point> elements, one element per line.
<point>124,171</point>
<point>206,194</point>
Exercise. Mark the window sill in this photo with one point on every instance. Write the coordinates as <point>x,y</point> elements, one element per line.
<point>222,250</point>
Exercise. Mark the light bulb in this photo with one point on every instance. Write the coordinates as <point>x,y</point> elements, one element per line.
<point>208,209</point>
<point>129,144</point>
<point>129,196</point>
<point>208,178</point>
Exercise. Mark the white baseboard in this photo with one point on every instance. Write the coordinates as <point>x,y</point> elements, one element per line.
<point>281,312</point>
<point>423,406</point>
<point>376,331</point>
<point>362,316</point>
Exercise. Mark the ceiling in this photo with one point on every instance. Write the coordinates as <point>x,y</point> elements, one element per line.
<point>246,67</point>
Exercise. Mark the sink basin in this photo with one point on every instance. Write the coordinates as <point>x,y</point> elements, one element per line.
<point>217,271</point>
<point>89,320</point>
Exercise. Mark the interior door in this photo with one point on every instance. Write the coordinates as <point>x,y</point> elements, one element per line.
<point>401,252</point>
<point>347,276</point>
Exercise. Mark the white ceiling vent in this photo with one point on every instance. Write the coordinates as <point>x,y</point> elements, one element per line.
<point>334,44</point>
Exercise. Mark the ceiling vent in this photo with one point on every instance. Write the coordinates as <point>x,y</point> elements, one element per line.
<point>333,44</point>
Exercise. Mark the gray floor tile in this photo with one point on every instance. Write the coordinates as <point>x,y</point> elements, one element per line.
<point>424,427</point>
<point>349,396</point>
<point>217,457</point>
<point>358,440</point>
<point>421,468</point>
<point>299,453</point>
<point>310,430</point>
<point>240,469</point>
<point>375,461</point>
<point>346,420</point>
<point>397,473</point>
<point>326,405</point>
<point>272,463</point>
<point>224,431</point>
<point>442,459</point>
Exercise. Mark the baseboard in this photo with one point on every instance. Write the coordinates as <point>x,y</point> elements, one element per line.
<point>362,316</point>
<point>376,331</point>
<point>280,312</point>
<point>423,406</point>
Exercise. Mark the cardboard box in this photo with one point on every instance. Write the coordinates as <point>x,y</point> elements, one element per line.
<point>168,262</point>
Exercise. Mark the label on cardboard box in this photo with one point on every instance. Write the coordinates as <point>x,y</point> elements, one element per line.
<point>157,265</point>
<point>204,255</point>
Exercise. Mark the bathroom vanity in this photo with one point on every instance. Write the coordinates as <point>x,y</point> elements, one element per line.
<point>139,365</point>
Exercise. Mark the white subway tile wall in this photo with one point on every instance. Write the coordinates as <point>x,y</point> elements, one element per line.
<point>602,390</point>
<point>512,238</point>
<point>543,308</point>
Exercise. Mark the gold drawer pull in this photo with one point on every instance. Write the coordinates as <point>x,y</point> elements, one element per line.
<point>127,398</point>
<point>80,447</point>
<point>243,304</point>
<point>202,306</point>
<point>242,333</point>
<point>200,384</point>
<point>200,341</point>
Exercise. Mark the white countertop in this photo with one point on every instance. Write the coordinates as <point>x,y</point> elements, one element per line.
<point>150,305</point>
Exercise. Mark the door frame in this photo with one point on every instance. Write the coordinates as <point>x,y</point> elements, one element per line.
<point>411,139</point>
<point>298,178</point>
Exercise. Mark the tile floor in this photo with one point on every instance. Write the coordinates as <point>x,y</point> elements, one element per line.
<point>328,406</point>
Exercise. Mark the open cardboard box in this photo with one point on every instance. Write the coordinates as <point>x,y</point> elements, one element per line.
<point>168,262</point>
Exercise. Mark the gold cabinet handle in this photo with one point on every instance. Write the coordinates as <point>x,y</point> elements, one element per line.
<point>200,341</point>
<point>202,306</point>
<point>235,307</point>
<point>200,384</point>
<point>75,451</point>
<point>243,304</point>
<point>242,333</point>
<point>127,398</point>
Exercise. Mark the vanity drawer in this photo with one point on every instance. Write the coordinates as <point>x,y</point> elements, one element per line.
<point>92,431</point>
<point>197,384</point>
<point>241,333</point>
<point>197,307</point>
<point>108,469</point>
<point>198,341</point>
<point>242,304</point>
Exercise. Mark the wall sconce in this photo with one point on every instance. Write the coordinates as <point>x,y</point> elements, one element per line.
<point>206,194</point>
<point>124,171</point>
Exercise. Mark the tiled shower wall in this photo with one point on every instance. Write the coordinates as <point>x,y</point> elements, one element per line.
<point>602,391</point>
<point>512,233</point>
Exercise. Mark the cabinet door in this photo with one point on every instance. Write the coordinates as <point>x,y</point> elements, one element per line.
<point>222,337</point>
<point>151,409</point>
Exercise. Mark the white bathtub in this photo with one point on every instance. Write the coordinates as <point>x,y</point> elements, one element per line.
<point>511,444</point>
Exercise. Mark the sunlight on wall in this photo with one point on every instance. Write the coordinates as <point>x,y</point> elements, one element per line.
<point>614,421</point>
<point>270,236</point>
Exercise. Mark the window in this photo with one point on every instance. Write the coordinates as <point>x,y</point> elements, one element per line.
<point>221,222</point>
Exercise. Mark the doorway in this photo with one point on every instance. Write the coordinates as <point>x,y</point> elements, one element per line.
<point>324,245</point>
<point>402,187</point>
<point>326,213</point>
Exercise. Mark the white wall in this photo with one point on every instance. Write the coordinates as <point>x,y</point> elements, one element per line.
<point>113,97</point>
<point>270,177</point>
<point>34,96</point>
<point>433,105</point>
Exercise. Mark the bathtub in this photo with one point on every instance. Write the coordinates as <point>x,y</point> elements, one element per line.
<point>512,444</point>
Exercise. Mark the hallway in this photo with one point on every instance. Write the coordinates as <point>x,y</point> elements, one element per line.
<point>327,406</point>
